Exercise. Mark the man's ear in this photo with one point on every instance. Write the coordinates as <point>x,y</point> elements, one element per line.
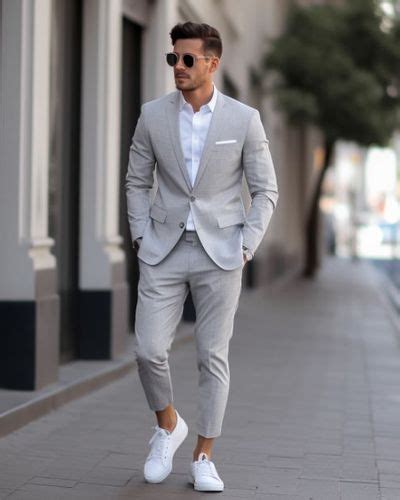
<point>214,64</point>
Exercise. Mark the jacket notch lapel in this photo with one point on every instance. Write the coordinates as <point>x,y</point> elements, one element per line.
<point>212,135</point>
<point>173,121</point>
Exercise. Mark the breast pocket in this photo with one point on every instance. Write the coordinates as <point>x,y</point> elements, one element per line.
<point>227,151</point>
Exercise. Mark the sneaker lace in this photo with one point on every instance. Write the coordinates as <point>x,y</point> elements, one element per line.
<point>159,444</point>
<point>207,468</point>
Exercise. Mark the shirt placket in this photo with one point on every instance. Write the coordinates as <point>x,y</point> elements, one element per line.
<point>195,145</point>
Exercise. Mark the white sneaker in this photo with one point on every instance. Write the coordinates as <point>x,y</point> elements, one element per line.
<point>204,475</point>
<point>163,445</point>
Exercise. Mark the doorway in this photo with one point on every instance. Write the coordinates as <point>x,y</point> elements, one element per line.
<point>130,111</point>
<point>64,159</point>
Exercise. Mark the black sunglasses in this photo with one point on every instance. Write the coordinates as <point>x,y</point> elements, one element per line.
<point>188,59</point>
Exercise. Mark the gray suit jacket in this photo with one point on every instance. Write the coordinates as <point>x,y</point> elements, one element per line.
<point>236,144</point>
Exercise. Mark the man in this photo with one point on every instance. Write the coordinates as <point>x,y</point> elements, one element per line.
<point>194,235</point>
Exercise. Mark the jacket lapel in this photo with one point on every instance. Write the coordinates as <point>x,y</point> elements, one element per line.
<point>173,121</point>
<point>212,136</point>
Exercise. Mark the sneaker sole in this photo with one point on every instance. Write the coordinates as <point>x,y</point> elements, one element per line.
<point>204,486</point>
<point>207,487</point>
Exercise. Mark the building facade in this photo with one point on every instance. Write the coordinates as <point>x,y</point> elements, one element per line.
<point>73,74</point>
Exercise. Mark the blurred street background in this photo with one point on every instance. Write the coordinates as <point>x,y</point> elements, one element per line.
<point>315,394</point>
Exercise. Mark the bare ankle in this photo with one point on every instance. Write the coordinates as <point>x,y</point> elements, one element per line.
<point>204,445</point>
<point>169,426</point>
<point>167,418</point>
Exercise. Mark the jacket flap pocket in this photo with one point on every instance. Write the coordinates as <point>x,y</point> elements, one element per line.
<point>158,214</point>
<point>230,219</point>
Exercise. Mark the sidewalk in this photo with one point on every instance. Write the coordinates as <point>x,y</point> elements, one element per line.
<point>313,413</point>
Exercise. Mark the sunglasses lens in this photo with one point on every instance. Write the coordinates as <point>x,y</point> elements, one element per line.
<point>188,60</point>
<point>172,59</point>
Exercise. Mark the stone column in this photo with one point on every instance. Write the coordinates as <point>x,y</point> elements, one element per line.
<point>104,292</point>
<point>157,75</point>
<point>29,306</point>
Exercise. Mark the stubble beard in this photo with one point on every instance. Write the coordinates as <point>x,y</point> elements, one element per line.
<point>190,86</point>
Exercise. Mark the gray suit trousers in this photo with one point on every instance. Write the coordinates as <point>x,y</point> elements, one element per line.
<point>162,292</point>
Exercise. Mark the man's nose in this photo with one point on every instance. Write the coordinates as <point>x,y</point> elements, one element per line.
<point>179,64</point>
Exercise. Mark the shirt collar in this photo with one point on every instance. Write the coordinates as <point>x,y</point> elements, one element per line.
<point>210,105</point>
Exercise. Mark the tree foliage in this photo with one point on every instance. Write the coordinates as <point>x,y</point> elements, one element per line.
<point>339,69</point>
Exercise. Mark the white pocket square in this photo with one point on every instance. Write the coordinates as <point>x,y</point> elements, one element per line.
<point>229,141</point>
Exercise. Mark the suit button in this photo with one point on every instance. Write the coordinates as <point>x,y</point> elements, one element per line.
<point>192,198</point>
<point>181,224</point>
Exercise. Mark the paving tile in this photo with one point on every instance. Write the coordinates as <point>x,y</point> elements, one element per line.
<point>285,462</point>
<point>51,481</point>
<point>67,472</point>
<point>95,491</point>
<point>321,466</point>
<point>359,491</point>
<point>238,493</point>
<point>13,480</point>
<point>110,476</point>
<point>389,480</point>
<point>279,481</point>
<point>38,492</point>
<point>150,494</point>
<point>174,483</point>
<point>317,489</point>
<point>359,469</point>
<point>29,495</point>
<point>122,461</point>
<point>263,496</point>
<point>4,492</point>
<point>390,493</point>
<point>389,466</point>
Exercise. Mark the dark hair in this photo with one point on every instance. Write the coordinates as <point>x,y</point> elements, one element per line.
<point>211,38</point>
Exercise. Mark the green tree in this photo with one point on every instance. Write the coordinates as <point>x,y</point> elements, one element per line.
<point>337,68</point>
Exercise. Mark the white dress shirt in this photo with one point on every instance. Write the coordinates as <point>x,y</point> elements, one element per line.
<point>193,128</point>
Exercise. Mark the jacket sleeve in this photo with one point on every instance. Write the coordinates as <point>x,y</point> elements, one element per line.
<point>261,179</point>
<point>139,178</point>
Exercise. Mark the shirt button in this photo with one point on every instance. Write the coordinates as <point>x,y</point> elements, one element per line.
<point>192,198</point>
<point>181,224</point>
